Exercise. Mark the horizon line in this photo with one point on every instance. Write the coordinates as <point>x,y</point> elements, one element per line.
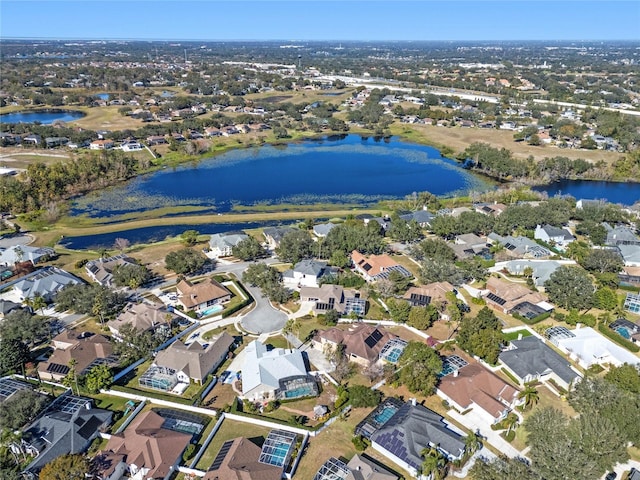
<point>131,39</point>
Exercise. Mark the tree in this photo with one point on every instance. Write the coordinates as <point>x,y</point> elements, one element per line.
<point>503,468</point>
<point>606,299</point>
<point>625,377</point>
<point>361,396</point>
<point>434,463</point>
<point>331,317</point>
<point>248,249</point>
<point>570,287</point>
<point>399,310</point>
<point>530,396</point>
<point>419,366</point>
<point>481,336</point>
<point>128,275</point>
<point>134,344</point>
<point>185,261</point>
<point>294,246</point>
<point>121,244</point>
<point>21,325</point>
<point>91,299</point>
<point>66,467</point>
<point>97,378</point>
<point>20,408</point>
<point>472,442</point>
<point>189,237</point>
<point>433,248</point>
<point>13,355</point>
<point>603,261</point>
<point>423,317</point>
<point>440,270</point>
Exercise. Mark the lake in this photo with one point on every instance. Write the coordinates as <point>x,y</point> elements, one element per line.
<point>338,169</point>
<point>153,234</point>
<point>614,192</point>
<point>44,117</point>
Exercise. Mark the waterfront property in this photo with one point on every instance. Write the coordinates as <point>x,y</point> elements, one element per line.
<point>45,282</point>
<point>221,244</point>
<point>307,273</point>
<point>101,270</point>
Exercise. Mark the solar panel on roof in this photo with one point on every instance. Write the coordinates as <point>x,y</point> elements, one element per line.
<point>374,338</point>
<point>509,246</point>
<point>226,446</point>
<point>58,368</point>
<point>419,299</point>
<point>494,298</point>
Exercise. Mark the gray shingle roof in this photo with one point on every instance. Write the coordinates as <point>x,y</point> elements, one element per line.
<point>45,282</point>
<point>532,357</point>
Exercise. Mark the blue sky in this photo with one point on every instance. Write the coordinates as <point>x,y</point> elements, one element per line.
<point>322,20</point>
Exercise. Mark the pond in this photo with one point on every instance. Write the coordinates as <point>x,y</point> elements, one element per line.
<point>339,169</point>
<point>44,117</point>
<point>615,192</point>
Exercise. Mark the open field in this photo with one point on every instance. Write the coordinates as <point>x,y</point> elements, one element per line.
<point>458,139</point>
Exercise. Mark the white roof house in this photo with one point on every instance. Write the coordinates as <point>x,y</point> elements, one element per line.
<point>221,244</point>
<point>588,347</point>
<point>264,370</point>
<point>45,282</point>
<point>24,253</point>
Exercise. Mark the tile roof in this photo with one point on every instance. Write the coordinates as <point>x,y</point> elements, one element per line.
<point>85,351</point>
<point>191,295</point>
<point>241,463</point>
<point>143,316</point>
<point>364,341</point>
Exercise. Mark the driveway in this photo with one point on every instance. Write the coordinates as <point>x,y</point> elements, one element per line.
<point>263,318</point>
<point>12,240</point>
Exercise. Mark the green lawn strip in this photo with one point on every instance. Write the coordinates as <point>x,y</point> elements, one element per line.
<point>507,337</point>
<point>228,430</point>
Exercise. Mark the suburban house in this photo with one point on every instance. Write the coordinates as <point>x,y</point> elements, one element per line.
<point>221,244</point>
<point>632,303</point>
<point>45,282</point>
<point>469,245</point>
<point>200,296</point>
<point>493,209</point>
<point>620,235</point>
<point>7,306</point>
<point>195,361</point>
<point>274,235</point>
<point>142,316</point>
<point>630,254</point>
<point>306,273</point>
<point>424,295</point>
<point>69,425</point>
<point>559,237</point>
<point>333,297</point>
<point>86,349</point>
<point>101,145</point>
<point>322,229</point>
<point>375,267</point>
<point>630,276</point>
<point>521,247</point>
<point>540,270</point>
<point>363,343</point>
<point>239,459</point>
<point>586,202</point>
<point>24,253</point>
<point>626,329</point>
<point>145,450</point>
<point>359,467</point>
<point>101,270</point>
<point>529,359</point>
<point>475,387</point>
<point>421,217</point>
<point>410,430</point>
<point>587,347</point>
<point>275,374</point>
<point>509,297</point>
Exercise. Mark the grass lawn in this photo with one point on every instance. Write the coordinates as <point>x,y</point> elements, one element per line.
<point>514,335</point>
<point>229,430</point>
<point>307,325</point>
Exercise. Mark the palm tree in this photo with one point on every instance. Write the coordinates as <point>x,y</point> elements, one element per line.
<point>530,395</point>
<point>434,464</point>
<point>38,303</point>
<point>472,443</point>
<point>510,422</point>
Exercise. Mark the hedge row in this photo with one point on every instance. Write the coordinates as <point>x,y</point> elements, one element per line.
<point>606,331</point>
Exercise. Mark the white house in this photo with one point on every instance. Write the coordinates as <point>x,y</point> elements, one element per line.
<point>221,244</point>
<point>553,235</point>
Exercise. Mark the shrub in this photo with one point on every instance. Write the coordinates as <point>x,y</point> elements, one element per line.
<point>618,339</point>
<point>360,443</point>
<point>189,452</point>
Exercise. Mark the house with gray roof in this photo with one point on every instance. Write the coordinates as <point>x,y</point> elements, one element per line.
<point>620,235</point>
<point>469,245</point>
<point>630,254</point>
<point>541,270</point>
<point>58,433</point>
<point>412,429</point>
<point>101,270</point>
<point>519,246</point>
<point>531,359</point>
<point>333,297</point>
<point>195,361</point>
<point>274,235</point>
<point>322,229</point>
<point>45,282</point>
<point>306,273</point>
<point>221,244</point>
<point>275,374</point>
<point>553,235</point>
<point>24,253</point>
<point>421,217</point>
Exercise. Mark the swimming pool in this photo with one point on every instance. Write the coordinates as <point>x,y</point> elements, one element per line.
<point>211,310</point>
<point>304,391</point>
<point>386,413</point>
<point>623,332</point>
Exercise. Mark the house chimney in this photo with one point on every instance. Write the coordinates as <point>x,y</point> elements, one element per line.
<point>519,336</point>
<point>455,372</point>
<point>413,401</point>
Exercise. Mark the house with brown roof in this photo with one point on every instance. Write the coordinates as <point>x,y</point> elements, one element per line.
<point>86,349</point>
<point>375,267</point>
<point>200,296</point>
<point>143,316</point>
<point>101,270</point>
<point>195,361</point>
<point>475,387</point>
<point>493,209</point>
<point>362,342</point>
<point>333,297</point>
<point>145,450</point>
<point>432,293</point>
<point>509,297</point>
<point>238,459</point>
